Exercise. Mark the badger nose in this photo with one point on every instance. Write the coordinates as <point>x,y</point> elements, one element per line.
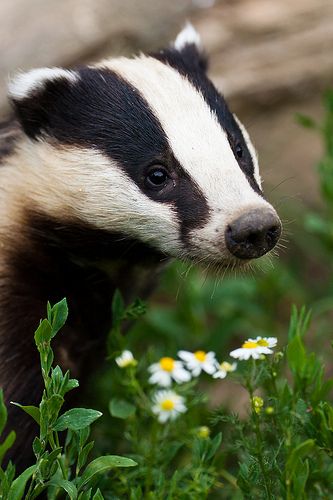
<point>253,234</point>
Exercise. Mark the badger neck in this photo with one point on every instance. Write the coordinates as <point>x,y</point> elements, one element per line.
<point>50,259</point>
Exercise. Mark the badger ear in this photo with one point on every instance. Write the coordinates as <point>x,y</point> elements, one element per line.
<point>188,44</point>
<point>33,94</point>
<point>188,36</point>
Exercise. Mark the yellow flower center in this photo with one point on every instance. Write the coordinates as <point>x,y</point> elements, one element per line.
<point>167,405</point>
<point>250,345</point>
<point>167,364</point>
<point>262,343</point>
<point>226,366</point>
<point>200,356</point>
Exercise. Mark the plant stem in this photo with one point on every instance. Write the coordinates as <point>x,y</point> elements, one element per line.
<point>151,458</point>
<point>249,386</point>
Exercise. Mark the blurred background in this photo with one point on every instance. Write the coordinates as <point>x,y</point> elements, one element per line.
<point>272,60</point>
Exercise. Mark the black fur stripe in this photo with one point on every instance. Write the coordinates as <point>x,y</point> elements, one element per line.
<point>191,64</point>
<point>103,111</point>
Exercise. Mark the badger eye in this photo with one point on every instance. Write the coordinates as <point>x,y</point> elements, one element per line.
<point>239,151</point>
<point>157,177</point>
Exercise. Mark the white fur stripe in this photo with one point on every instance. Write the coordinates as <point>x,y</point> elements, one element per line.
<point>23,84</point>
<point>251,149</point>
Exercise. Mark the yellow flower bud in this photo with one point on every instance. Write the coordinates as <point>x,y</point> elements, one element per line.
<point>203,432</point>
<point>257,403</point>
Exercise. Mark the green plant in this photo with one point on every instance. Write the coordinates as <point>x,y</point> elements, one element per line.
<point>59,467</point>
<point>282,449</point>
<point>321,224</point>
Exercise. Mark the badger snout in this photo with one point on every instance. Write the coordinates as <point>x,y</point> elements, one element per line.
<point>253,233</point>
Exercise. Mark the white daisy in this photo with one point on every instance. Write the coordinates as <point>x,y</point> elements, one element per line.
<point>166,370</point>
<point>198,361</point>
<point>224,368</point>
<point>125,359</point>
<point>168,405</point>
<point>254,348</point>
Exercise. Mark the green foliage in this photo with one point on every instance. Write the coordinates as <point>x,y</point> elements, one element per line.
<point>10,439</point>
<point>121,408</point>
<point>59,468</point>
<point>279,446</point>
<point>322,224</point>
<point>283,448</point>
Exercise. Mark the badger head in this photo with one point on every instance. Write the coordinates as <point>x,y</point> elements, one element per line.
<point>145,149</point>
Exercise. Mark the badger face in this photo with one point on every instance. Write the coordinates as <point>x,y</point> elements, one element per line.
<point>147,149</point>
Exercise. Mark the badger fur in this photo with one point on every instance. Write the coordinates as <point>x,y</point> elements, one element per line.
<point>106,172</point>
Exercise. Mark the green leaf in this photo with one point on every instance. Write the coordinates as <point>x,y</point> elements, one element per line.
<point>135,310</point>
<point>120,408</point>
<point>49,360</point>
<point>83,455</point>
<point>7,444</point>
<point>17,488</point>
<point>37,446</point>
<point>6,480</point>
<point>4,484</point>
<point>98,495</point>
<point>299,322</point>
<point>118,308</point>
<point>215,444</point>
<point>76,419</point>
<point>171,450</point>
<point>3,412</point>
<point>67,486</point>
<point>68,384</point>
<point>54,404</point>
<point>48,464</point>
<point>300,478</point>
<point>54,454</point>
<point>43,333</point>
<point>83,436</point>
<point>296,355</point>
<point>85,495</point>
<point>43,417</point>
<point>103,464</point>
<point>329,412</point>
<point>302,450</point>
<point>58,316</point>
<point>33,411</point>
<point>49,311</point>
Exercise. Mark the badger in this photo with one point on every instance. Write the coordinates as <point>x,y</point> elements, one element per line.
<point>107,172</point>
